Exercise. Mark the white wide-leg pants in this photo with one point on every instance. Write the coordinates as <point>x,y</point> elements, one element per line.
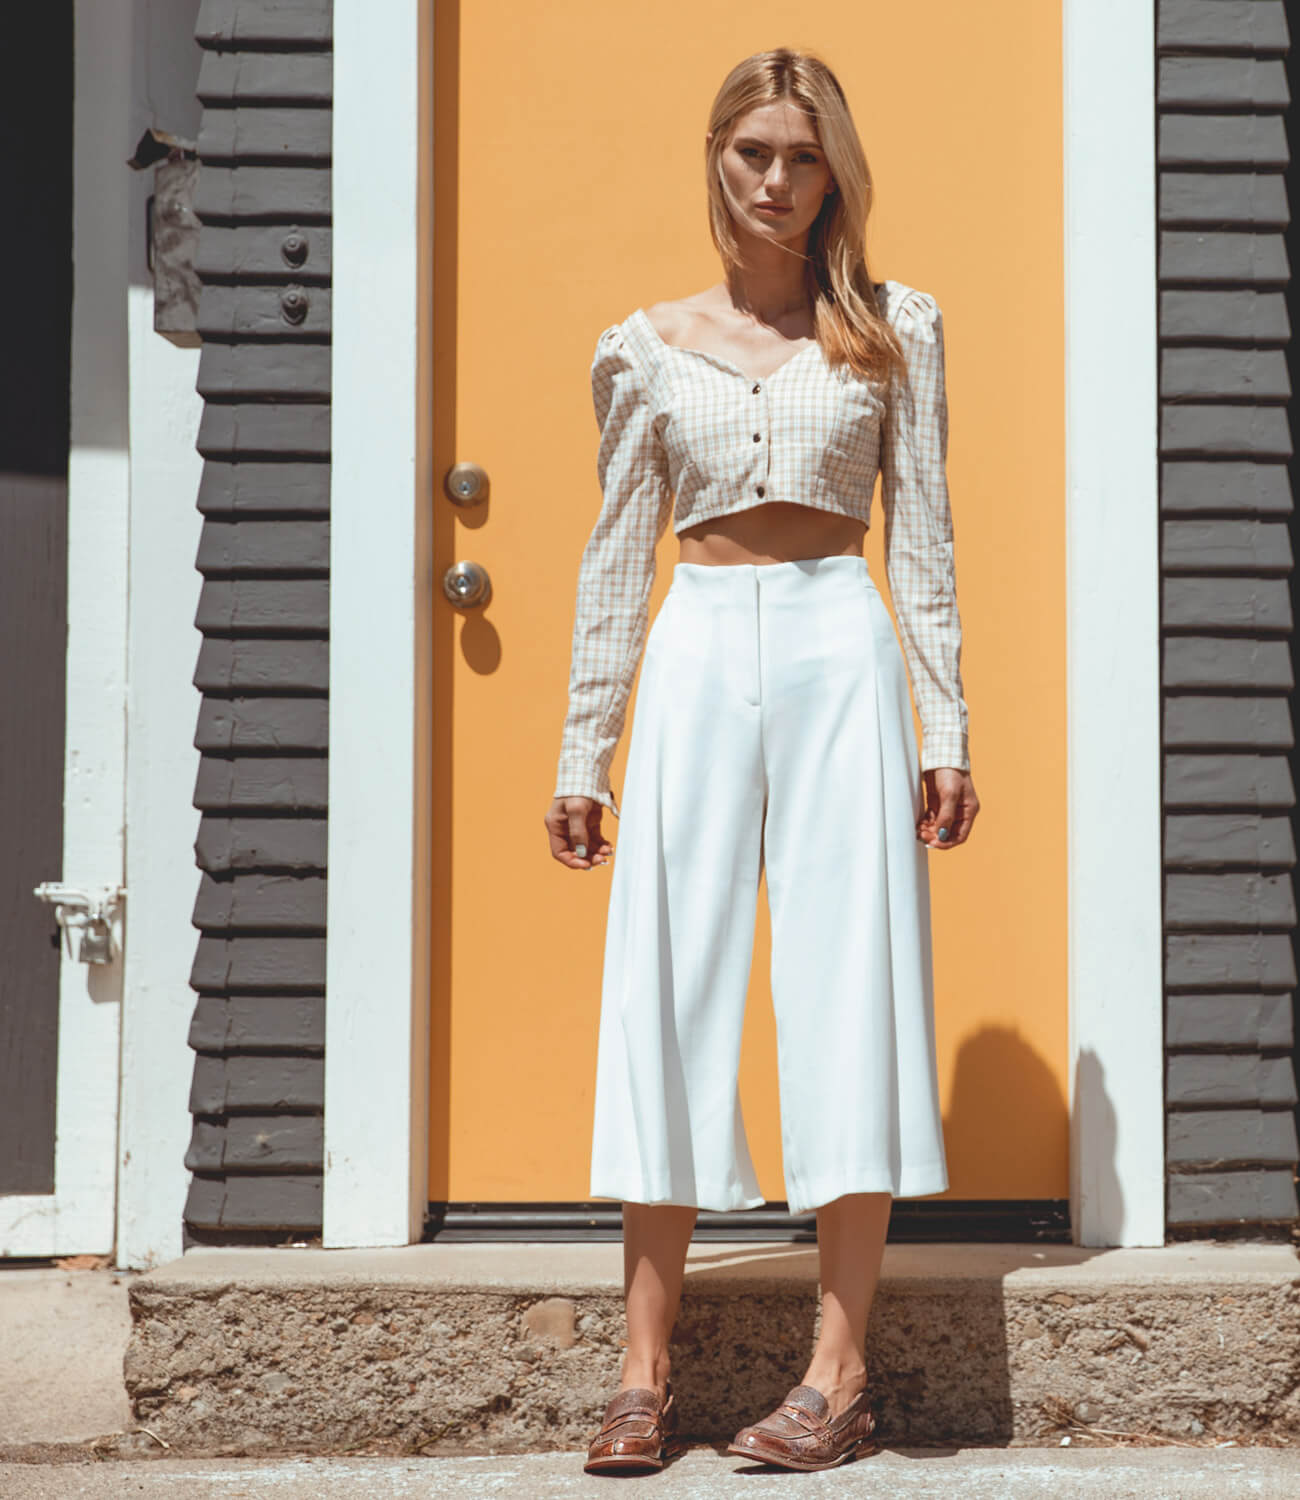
<point>773,727</point>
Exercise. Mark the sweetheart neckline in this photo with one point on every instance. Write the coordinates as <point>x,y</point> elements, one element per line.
<point>718,359</point>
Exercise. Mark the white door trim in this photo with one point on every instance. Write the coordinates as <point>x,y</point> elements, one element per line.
<point>162,704</point>
<point>377,973</point>
<point>79,1215</point>
<point>1117,1164</point>
<point>162,763</point>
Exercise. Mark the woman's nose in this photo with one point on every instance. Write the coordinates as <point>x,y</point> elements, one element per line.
<point>776,173</point>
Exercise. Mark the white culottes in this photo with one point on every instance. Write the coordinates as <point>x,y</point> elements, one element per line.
<point>773,728</point>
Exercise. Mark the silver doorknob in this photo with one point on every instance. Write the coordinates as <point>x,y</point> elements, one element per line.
<point>466,484</point>
<point>467,585</point>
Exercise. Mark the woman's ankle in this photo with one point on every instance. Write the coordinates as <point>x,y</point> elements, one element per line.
<point>843,1364</point>
<point>651,1373</point>
<point>838,1370</point>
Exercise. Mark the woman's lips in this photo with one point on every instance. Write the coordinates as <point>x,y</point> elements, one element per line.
<point>773,208</point>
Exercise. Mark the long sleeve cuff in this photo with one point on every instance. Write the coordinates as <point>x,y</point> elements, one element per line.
<point>577,778</point>
<point>945,747</point>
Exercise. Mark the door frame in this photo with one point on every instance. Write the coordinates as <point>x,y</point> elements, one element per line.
<point>78,1216</point>
<point>382,592</point>
<point>381,598</point>
<point>1115,881</point>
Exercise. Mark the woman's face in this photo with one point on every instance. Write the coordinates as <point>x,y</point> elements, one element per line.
<point>775,171</point>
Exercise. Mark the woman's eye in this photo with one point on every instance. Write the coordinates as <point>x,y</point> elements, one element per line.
<point>803,157</point>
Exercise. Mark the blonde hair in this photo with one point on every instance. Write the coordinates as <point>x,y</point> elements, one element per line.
<point>847,321</point>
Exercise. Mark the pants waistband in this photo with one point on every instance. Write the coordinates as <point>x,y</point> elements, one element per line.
<point>780,580</point>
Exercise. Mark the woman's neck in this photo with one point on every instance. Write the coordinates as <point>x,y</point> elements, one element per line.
<point>769,283</point>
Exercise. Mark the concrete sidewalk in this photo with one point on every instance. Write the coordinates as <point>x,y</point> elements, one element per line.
<point>702,1474</point>
<point>63,1335</point>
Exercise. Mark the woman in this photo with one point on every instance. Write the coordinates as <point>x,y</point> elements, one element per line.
<point>773,730</point>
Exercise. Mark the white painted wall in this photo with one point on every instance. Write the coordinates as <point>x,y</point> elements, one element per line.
<point>1113,581</point>
<point>162,707</point>
<point>376,1049</point>
<point>162,703</point>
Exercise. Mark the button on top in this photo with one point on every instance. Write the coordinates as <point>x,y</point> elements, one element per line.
<point>757,387</point>
<point>761,492</point>
<point>758,437</point>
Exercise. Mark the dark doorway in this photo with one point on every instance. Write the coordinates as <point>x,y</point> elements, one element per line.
<point>36,272</point>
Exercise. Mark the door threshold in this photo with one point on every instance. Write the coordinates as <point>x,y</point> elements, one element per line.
<point>1003,1221</point>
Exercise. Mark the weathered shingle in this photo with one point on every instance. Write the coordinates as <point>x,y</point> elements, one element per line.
<point>264,260</point>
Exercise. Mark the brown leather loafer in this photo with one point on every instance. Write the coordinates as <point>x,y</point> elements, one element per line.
<point>801,1434</point>
<point>636,1432</point>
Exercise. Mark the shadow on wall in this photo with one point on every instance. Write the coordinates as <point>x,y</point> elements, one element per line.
<point>1006,1109</point>
<point>1100,1199</point>
<point>1006,1099</point>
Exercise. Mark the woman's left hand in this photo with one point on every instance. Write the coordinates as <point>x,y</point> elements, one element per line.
<point>951,805</point>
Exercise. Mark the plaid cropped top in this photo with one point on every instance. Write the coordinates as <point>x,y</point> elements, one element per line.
<point>680,424</point>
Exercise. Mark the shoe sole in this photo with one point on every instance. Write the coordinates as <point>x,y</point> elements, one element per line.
<point>622,1465</point>
<point>636,1462</point>
<point>862,1449</point>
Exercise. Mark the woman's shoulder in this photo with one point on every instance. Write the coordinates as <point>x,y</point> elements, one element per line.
<point>908,309</point>
<point>675,320</point>
<point>641,338</point>
<point>617,344</point>
<point>664,319</point>
<point>626,356</point>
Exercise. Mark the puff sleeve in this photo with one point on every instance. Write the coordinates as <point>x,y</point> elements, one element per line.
<point>918,532</point>
<point>616,571</point>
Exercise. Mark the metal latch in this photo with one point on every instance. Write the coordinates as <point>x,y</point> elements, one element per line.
<point>92,912</point>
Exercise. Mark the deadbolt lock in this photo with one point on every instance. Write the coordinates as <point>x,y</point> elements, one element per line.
<point>466,484</point>
<point>467,585</point>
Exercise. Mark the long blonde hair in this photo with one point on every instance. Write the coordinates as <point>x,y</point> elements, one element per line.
<point>847,322</point>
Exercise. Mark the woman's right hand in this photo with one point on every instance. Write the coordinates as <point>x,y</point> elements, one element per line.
<point>573,824</point>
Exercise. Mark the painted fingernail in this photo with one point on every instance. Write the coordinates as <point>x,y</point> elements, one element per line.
<point>581,851</point>
<point>943,833</point>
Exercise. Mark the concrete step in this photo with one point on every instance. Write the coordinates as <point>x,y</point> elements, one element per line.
<point>444,1349</point>
<point>906,1474</point>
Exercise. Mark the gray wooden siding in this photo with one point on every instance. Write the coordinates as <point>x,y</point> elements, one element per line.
<point>1226,617</point>
<point>258,1031</point>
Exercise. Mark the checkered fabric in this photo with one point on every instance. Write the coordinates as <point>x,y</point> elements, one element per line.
<point>684,424</point>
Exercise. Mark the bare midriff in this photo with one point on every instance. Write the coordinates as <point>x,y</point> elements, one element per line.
<point>778,532</point>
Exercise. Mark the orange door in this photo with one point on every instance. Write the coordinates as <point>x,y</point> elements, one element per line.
<point>568,191</point>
